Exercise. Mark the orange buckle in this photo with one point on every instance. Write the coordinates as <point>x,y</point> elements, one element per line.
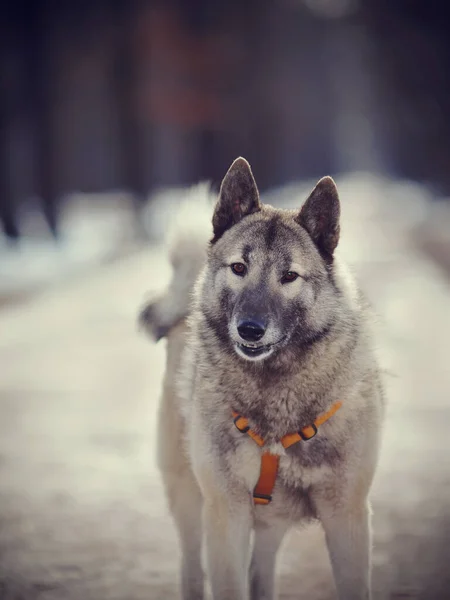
<point>244,428</point>
<point>306,438</point>
<point>261,498</point>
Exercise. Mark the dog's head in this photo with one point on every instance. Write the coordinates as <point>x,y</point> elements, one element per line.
<point>269,282</point>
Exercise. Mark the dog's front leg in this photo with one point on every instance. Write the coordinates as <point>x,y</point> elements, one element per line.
<point>227,523</point>
<point>347,531</point>
<point>268,538</point>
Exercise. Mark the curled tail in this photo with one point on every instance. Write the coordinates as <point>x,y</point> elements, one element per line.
<point>188,237</point>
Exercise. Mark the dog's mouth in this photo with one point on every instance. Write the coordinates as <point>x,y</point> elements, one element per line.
<point>255,351</point>
<point>252,350</point>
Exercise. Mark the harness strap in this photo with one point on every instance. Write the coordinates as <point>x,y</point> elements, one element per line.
<point>262,494</point>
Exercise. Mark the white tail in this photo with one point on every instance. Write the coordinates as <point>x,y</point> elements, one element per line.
<point>189,233</point>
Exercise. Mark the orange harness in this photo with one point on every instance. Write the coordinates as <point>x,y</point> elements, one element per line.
<point>262,494</point>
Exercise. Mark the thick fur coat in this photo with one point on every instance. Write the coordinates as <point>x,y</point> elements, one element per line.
<point>277,330</point>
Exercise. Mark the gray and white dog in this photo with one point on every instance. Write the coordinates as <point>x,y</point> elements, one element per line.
<point>278,332</point>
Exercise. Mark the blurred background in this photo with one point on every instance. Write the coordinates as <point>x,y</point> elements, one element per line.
<point>105,103</point>
<point>108,109</point>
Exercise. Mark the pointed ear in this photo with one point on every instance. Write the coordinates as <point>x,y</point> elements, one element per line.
<point>320,216</point>
<point>238,197</point>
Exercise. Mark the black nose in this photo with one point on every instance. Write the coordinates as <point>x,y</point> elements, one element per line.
<point>251,331</point>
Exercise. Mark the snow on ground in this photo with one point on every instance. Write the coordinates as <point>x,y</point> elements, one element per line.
<point>82,512</point>
<point>94,228</point>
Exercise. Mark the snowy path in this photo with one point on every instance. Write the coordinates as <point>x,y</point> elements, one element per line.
<point>82,513</point>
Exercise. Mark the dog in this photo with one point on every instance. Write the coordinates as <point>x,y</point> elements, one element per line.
<point>273,403</point>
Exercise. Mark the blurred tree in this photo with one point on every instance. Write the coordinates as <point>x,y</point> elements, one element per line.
<point>135,94</point>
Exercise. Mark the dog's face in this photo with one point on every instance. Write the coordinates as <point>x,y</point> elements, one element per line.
<point>268,284</point>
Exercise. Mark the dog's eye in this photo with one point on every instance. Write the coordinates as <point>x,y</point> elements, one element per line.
<point>289,276</point>
<point>239,269</point>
